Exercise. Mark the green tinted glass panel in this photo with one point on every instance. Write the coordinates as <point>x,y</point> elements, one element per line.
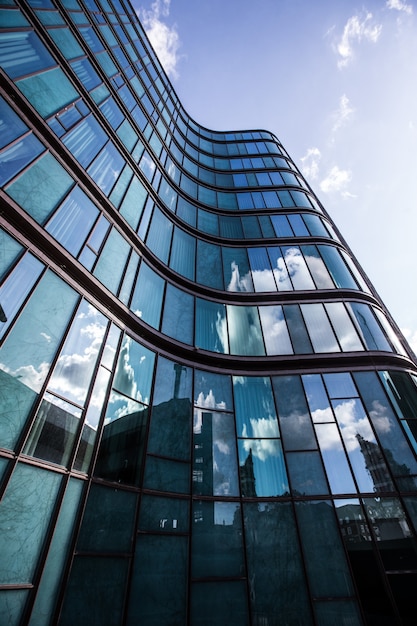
<point>48,92</point>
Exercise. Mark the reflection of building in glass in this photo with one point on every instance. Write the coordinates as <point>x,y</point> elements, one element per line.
<point>207,416</point>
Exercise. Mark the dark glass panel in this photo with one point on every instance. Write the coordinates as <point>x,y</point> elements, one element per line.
<point>170,427</point>
<point>297,329</point>
<point>178,315</point>
<point>147,296</point>
<point>95,591</point>
<point>261,468</point>
<point>27,506</point>
<point>209,265</point>
<point>306,474</point>
<point>57,554</point>
<point>164,475</point>
<point>108,521</point>
<point>216,542</point>
<point>368,328</point>
<point>254,406</point>
<point>212,391</point>
<point>215,458</point>
<point>223,603</point>
<point>294,417</point>
<point>275,571</point>
<point>183,253</point>
<point>337,612</point>
<point>160,575</point>
<point>168,515</point>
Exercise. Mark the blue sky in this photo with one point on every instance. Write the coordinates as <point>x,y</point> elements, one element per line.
<point>336,81</point>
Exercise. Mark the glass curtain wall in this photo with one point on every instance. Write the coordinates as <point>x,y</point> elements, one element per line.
<point>207,415</point>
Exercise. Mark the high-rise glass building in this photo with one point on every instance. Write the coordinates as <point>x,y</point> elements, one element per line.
<point>207,416</point>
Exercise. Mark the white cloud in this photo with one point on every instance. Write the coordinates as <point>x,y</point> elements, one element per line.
<point>411,336</point>
<point>343,113</point>
<point>400,6</point>
<point>336,180</point>
<point>164,39</point>
<point>356,30</point>
<point>310,163</point>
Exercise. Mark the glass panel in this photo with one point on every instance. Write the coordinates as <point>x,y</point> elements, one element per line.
<point>337,267</point>
<point>28,351</point>
<point>368,328</point>
<point>27,506</point>
<point>24,53</point>
<point>96,590</point>
<point>147,297</point>
<point>319,329</point>
<point>163,559</point>
<point>343,327</point>
<point>237,276</point>
<point>215,460</point>
<point>133,203</point>
<point>334,459</point>
<point>159,235</point>
<point>245,335</point>
<point>262,275</point>
<point>76,363</point>
<point>163,475</point>
<point>211,326</point>
<point>178,316</point>
<point>212,391</point>
<point>279,269</point>
<point>9,251</point>
<point>51,575</point>
<point>281,226</point>
<point>170,428</point>
<point>12,604</point>
<point>16,287</point>
<point>275,571</point>
<point>223,603</point>
<point>209,265</point>
<point>317,398</point>
<point>72,222</point>
<point>294,417</point>
<point>106,167</point>
<point>49,91</point>
<point>14,158</point>
<point>216,543</point>
<point>165,515</point>
<point>41,188</point>
<point>262,469</point>
<point>134,371</point>
<point>297,268</point>
<point>255,409</point>
<point>332,581</point>
<point>11,126</point>
<point>317,268</point>
<point>365,455</point>
<point>306,474</point>
<point>391,437</point>
<point>54,430</point>
<point>112,261</point>
<point>298,333</point>
<point>183,253</point>
<point>276,336</point>
<point>108,520</point>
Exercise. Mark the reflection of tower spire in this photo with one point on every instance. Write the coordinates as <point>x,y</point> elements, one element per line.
<point>375,464</point>
<point>247,477</point>
<point>178,371</point>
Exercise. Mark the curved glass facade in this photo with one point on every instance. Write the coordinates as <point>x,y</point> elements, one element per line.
<point>207,415</point>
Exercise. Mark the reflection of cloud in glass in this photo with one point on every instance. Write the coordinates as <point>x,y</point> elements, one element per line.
<point>244,330</point>
<point>262,427</point>
<point>275,329</point>
<point>221,328</point>
<point>119,406</point>
<point>126,377</point>
<point>322,415</point>
<point>379,417</point>
<point>209,401</point>
<point>236,282</point>
<point>352,425</point>
<point>263,280</point>
<point>261,448</point>
<point>29,375</point>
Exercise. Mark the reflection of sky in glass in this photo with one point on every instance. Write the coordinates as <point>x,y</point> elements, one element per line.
<point>212,391</point>
<point>120,406</point>
<point>74,369</point>
<point>334,459</point>
<point>268,465</point>
<point>134,370</point>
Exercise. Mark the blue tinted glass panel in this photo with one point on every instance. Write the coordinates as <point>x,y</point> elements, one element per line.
<point>11,126</point>
<point>183,253</point>
<point>159,235</point>
<point>112,261</point>
<point>49,91</point>
<point>237,275</point>
<point>210,326</point>
<point>369,329</point>
<point>178,317</point>
<point>337,267</point>
<point>86,140</point>
<point>73,220</point>
<point>147,297</point>
<point>23,53</point>
<point>15,157</point>
<point>209,265</point>
<point>106,167</point>
<point>262,275</point>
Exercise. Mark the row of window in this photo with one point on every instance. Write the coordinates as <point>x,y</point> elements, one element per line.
<point>235,329</point>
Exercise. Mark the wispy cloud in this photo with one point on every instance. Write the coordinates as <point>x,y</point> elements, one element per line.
<point>336,180</point>
<point>356,29</point>
<point>343,113</point>
<point>310,163</point>
<point>165,39</point>
<point>400,6</point>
